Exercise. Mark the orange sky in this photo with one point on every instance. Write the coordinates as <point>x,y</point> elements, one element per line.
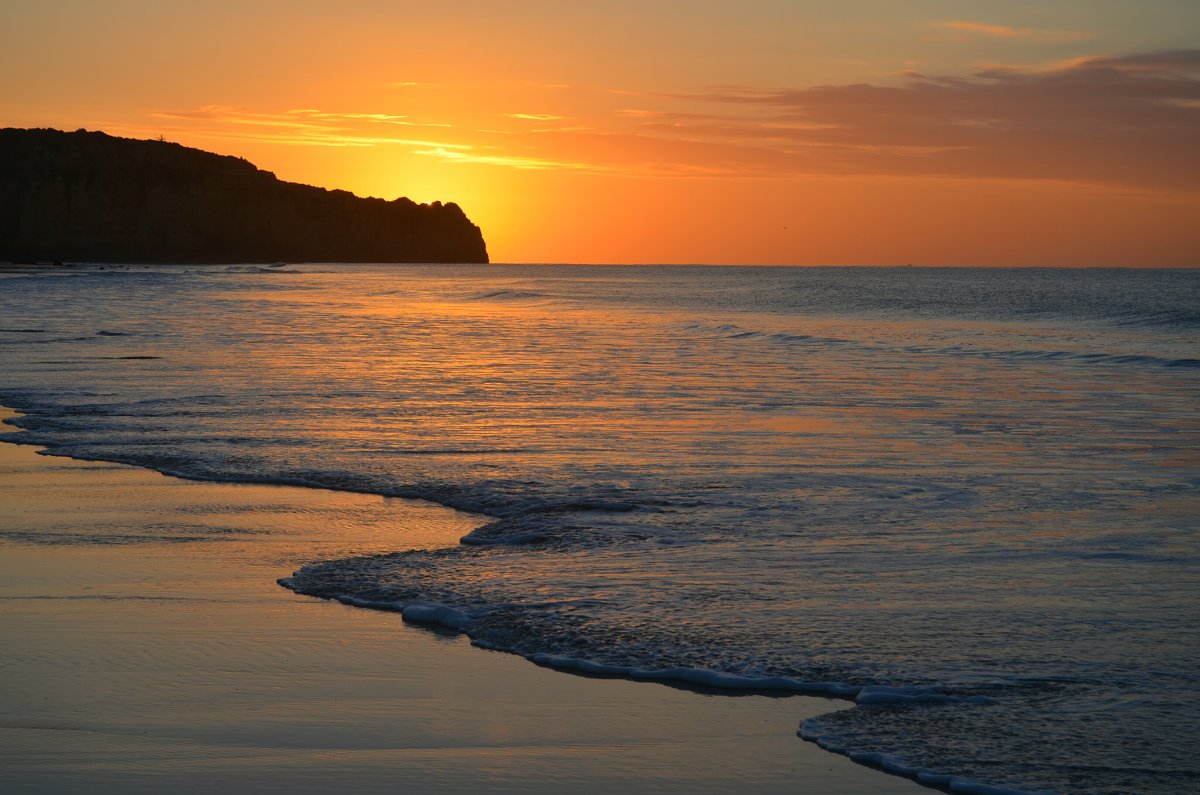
<point>949,132</point>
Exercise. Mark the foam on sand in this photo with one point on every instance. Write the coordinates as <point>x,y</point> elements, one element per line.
<point>151,666</point>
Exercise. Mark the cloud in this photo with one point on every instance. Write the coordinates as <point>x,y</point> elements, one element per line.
<point>511,161</point>
<point>301,126</point>
<point>1120,121</point>
<point>1005,32</point>
<point>1128,120</point>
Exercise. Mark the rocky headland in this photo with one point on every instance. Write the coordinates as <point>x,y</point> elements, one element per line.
<point>91,197</point>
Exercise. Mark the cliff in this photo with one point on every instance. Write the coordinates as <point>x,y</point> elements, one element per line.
<point>87,196</point>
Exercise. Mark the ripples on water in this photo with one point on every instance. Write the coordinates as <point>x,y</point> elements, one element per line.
<point>973,493</point>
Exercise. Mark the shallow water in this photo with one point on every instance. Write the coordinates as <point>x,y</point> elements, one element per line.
<point>147,649</point>
<point>972,493</point>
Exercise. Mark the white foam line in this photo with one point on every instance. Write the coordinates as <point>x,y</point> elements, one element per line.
<point>461,621</point>
<point>810,731</point>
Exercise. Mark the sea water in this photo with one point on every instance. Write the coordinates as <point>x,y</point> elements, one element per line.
<point>963,501</point>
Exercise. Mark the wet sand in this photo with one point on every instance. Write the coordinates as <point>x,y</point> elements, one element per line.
<point>147,648</point>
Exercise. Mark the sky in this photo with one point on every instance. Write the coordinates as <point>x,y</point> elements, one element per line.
<point>873,132</point>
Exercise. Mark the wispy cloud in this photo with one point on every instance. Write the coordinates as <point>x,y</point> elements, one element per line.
<point>511,161</point>
<point>382,118</point>
<point>1006,32</point>
<point>301,126</point>
<point>533,116</point>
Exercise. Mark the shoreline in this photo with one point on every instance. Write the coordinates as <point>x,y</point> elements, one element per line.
<point>147,638</point>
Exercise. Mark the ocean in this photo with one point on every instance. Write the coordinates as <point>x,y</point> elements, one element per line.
<point>963,502</point>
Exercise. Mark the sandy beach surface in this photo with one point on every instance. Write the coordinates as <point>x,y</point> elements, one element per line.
<point>147,648</point>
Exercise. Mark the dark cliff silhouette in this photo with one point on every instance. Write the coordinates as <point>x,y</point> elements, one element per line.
<point>91,197</point>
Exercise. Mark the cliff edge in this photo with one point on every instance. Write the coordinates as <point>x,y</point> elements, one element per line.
<point>91,197</point>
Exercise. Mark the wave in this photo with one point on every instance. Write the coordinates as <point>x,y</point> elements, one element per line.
<point>1178,319</point>
<point>737,333</point>
<point>812,731</point>
<point>506,295</point>
<point>367,583</point>
<point>918,732</point>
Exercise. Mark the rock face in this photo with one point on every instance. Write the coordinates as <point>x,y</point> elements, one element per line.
<point>87,196</point>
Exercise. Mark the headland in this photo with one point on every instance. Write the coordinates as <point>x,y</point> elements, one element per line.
<point>90,197</point>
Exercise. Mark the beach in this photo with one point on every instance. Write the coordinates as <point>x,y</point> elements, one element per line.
<point>964,498</point>
<point>147,647</point>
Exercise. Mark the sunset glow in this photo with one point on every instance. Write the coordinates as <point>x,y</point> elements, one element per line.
<point>982,133</point>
